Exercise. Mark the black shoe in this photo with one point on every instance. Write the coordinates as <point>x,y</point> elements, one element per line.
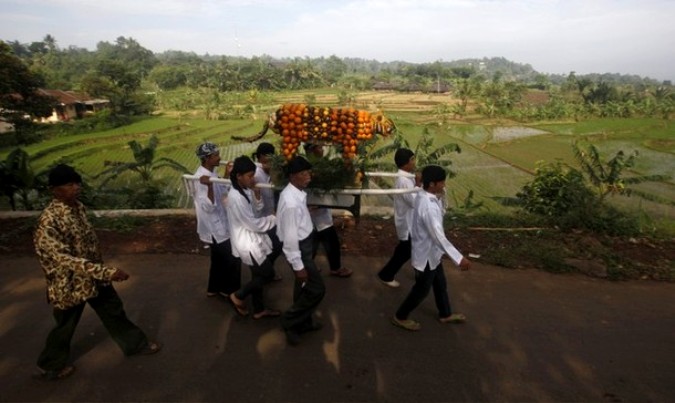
<point>292,337</point>
<point>312,328</point>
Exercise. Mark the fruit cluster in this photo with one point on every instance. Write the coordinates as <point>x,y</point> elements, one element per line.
<point>344,127</point>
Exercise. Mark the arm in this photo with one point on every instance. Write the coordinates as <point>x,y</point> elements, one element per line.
<point>289,227</point>
<point>239,209</point>
<point>204,196</point>
<point>56,256</point>
<point>407,198</point>
<point>435,229</point>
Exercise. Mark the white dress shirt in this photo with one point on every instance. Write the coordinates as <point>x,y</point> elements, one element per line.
<point>428,236</point>
<point>212,220</point>
<point>404,204</point>
<point>322,218</point>
<point>267,194</point>
<point>249,239</point>
<point>294,223</point>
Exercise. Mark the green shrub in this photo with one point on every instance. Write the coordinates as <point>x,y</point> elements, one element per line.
<point>555,191</point>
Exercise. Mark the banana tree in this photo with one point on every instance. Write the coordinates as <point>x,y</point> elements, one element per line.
<point>608,178</point>
<point>17,178</point>
<point>144,163</point>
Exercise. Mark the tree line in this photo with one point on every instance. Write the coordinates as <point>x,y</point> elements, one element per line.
<point>131,76</point>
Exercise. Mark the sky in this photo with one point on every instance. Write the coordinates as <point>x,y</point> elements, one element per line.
<point>553,36</point>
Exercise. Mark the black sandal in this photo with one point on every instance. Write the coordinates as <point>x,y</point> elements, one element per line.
<point>55,374</point>
<point>151,348</point>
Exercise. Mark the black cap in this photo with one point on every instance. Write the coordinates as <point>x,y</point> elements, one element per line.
<point>297,164</point>
<point>264,149</point>
<point>63,174</point>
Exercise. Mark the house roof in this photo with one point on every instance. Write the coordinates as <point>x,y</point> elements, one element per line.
<point>66,97</point>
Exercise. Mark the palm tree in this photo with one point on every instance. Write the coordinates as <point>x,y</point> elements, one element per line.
<point>150,194</point>
<point>144,163</point>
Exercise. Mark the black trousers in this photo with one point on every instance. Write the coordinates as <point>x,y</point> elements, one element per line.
<point>305,297</point>
<point>108,306</point>
<point>330,241</point>
<point>424,282</point>
<point>401,255</point>
<point>277,248</point>
<point>225,269</point>
<point>260,275</point>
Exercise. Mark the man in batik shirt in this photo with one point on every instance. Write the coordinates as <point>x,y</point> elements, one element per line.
<point>68,251</point>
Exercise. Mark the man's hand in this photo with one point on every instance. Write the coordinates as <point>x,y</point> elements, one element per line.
<point>465,264</point>
<point>119,275</point>
<point>204,180</point>
<point>301,276</point>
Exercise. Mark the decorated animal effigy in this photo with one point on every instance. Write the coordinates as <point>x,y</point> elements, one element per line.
<point>348,129</point>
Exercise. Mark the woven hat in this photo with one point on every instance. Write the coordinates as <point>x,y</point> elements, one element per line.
<point>206,149</point>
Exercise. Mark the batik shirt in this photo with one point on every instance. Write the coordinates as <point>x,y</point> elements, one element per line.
<point>68,251</point>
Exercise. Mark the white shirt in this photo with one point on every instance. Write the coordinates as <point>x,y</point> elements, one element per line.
<point>248,231</point>
<point>428,236</point>
<point>294,223</point>
<point>212,220</point>
<point>267,194</point>
<point>322,218</point>
<point>404,204</point>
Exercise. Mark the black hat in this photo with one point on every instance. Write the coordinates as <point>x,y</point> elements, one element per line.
<point>297,164</point>
<point>402,156</point>
<point>264,149</point>
<point>63,174</point>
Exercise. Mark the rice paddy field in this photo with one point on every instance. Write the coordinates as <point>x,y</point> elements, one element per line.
<point>496,160</point>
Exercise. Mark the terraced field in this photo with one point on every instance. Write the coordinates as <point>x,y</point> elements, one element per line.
<point>496,159</point>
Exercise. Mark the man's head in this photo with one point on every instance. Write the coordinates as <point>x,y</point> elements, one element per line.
<point>65,183</point>
<point>264,149</point>
<point>314,149</point>
<point>299,172</point>
<point>405,159</point>
<point>208,154</point>
<point>433,178</point>
<point>263,154</point>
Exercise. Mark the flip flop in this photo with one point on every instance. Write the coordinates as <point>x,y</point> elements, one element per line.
<point>342,272</point>
<point>238,305</point>
<point>267,313</point>
<point>54,375</point>
<point>454,318</point>
<point>151,348</point>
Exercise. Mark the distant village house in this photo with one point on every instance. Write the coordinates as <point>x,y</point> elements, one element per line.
<point>72,105</point>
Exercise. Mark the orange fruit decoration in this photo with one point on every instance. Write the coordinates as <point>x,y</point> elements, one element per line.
<point>344,127</point>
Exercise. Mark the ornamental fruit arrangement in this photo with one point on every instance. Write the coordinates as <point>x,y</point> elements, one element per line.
<point>346,128</point>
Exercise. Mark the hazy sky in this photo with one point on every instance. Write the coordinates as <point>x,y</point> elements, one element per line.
<point>554,36</point>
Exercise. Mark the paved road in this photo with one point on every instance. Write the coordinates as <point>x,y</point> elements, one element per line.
<point>531,336</point>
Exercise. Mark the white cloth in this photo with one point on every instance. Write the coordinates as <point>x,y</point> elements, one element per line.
<point>428,236</point>
<point>212,220</point>
<point>249,238</point>
<point>322,218</point>
<point>404,204</point>
<point>294,223</point>
<point>267,194</point>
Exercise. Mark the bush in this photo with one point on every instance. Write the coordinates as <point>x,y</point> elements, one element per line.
<point>556,191</point>
<point>560,194</point>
